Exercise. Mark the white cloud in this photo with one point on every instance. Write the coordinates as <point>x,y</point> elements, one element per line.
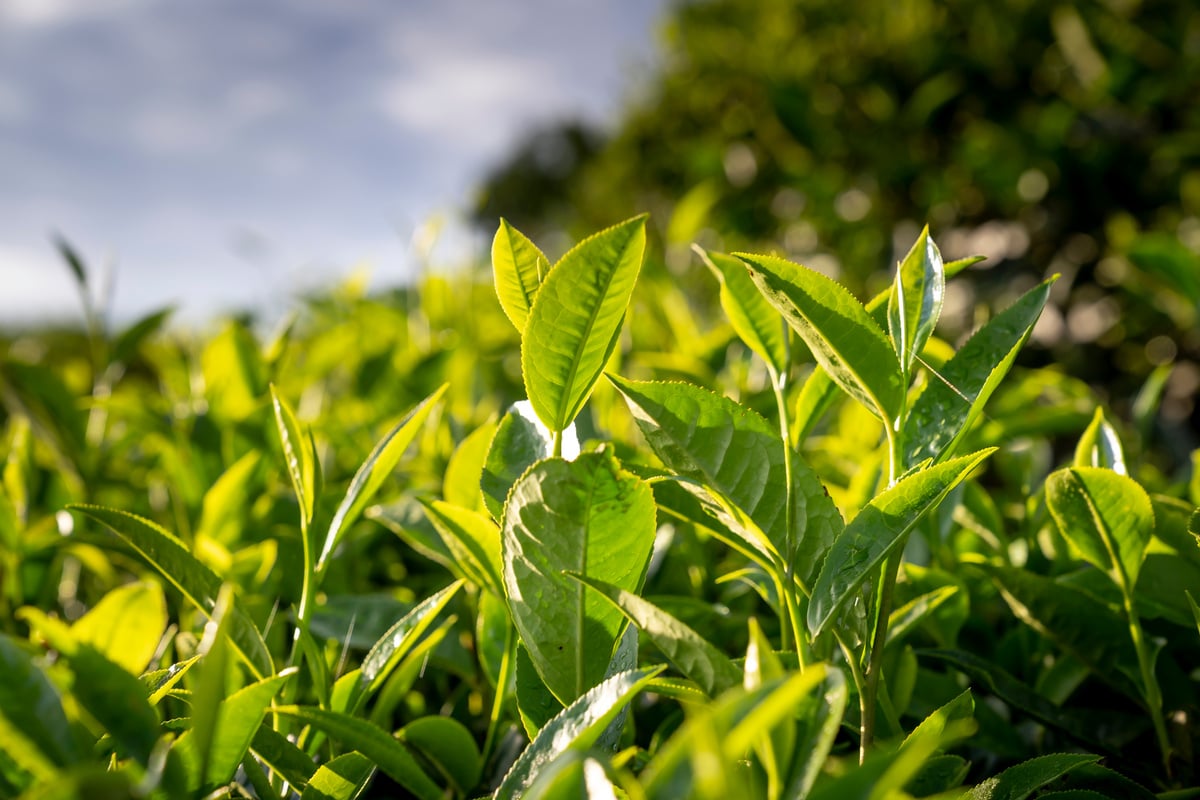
<point>35,285</point>
<point>48,13</point>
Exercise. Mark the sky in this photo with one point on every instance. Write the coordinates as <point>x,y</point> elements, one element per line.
<point>224,154</point>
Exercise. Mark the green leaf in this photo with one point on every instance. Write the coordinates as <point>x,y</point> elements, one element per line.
<point>374,471</point>
<point>572,776</point>
<point>576,728</point>
<point>342,778</point>
<point>237,722</point>
<point>400,638</point>
<point>739,458</point>
<point>1100,446</point>
<point>1021,781</point>
<point>191,578</point>
<point>754,320</point>
<point>536,704</point>
<point>837,329</point>
<point>938,775</point>
<point>299,456</point>
<point>30,704</point>
<point>520,441</point>
<point>910,615</point>
<point>472,539</point>
<point>285,758</point>
<point>957,393</point>
<point>1074,621</point>
<point>879,528</point>
<point>954,720</point>
<point>460,485</point>
<point>690,652</point>
<point>575,319</point>
<point>447,745</point>
<point>916,299</point>
<point>588,516</point>
<point>129,340</point>
<point>519,269</point>
<point>818,719</point>
<point>372,741</point>
<point>126,625</point>
<point>1106,516</point>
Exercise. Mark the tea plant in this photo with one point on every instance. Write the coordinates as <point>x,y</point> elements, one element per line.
<point>563,575</point>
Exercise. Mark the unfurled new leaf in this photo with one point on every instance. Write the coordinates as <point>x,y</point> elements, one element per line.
<point>956,395</point>
<point>587,516</point>
<point>576,318</point>
<point>1107,516</point>
<point>916,300</point>
<point>1100,446</point>
<point>299,456</point>
<point>837,329</point>
<point>519,269</point>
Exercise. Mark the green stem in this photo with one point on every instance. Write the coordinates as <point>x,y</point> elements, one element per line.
<point>787,586</point>
<point>558,437</point>
<point>1152,691</point>
<point>502,681</point>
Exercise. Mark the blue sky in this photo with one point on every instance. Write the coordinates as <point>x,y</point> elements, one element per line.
<point>220,154</point>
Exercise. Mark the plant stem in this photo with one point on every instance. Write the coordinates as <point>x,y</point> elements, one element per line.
<point>558,437</point>
<point>1152,694</point>
<point>787,586</point>
<point>502,681</point>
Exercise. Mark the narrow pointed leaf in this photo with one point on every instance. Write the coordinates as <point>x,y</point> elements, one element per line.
<point>754,320</point>
<point>474,541</point>
<point>393,645</point>
<point>837,329</point>
<point>879,528</point>
<point>285,758</point>
<point>33,707</point>
<point>373,742</point>
<point>955,397</point>
<point>519,268</point>
<point>918,292</point>
<point>1100,446</point>
<point>199,584</point>
<point>690,652</point>
<point>818,720</point>
<point>460,485</point>
<point>297,454</point>
<point>588,516</point>
<point>342,778</point>
<point>576,318</point>
<point>449,747</point>
<point>577,727</point>
<point>1107,516</point>
<point>374,471</point>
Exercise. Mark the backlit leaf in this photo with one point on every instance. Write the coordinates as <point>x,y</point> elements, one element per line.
<point>837,329</point>
<point>126,625</point>
<point>756,322</point>
<point>519,269</point>
<point>31,705</point>
<point>879,528</point>
<point>474,541</point>
<point>918,291</point>
<point>1100,446</point>
<point>575,319</point>
<point>520,441</point>
<point>342,778</point>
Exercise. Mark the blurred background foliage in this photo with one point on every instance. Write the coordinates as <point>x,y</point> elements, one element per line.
<point>1050,137</point>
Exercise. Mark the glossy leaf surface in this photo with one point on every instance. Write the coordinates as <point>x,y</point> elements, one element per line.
<point>519,269</point>
<point>915,304</point>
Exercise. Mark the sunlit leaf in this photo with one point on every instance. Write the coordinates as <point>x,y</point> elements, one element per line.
<point>126,625</point>
<point>575,319</point>
<point>342,778</point>
<point>1100,446</point>
<point>756,322</point>
<point>519,268</point>
<point>520,441</point>
<point>915,304</point>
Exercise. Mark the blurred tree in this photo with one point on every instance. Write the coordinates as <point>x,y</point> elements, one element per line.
<point>1051,137</point>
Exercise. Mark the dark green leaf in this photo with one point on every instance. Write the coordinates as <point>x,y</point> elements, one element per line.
<point>446,744</point>
<point>33,709</point>
<point>575,319</point>
<point>472,539</point>
<point>342,778</point>
<point>1019,782</point>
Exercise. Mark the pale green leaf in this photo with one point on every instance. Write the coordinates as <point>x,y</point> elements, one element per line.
<point>196,582</point>
<point>126,625</point>
<point>754,320</point>
<point>1022,780</point>
<point>878,529</point>
<point>298,455</point>
<point>915,304</point>
<point>472,539</point>
<point>460,485</point>
<point>374,471</point>
<point>341,778</point>
<point>575,320</point>
<point>837,329</point>
<point>687,650</point>
<point>1106,516</point>
<point>572,776</point>
<point>226,502</point>
<point>577,727</point>
<point>588,516</point>
<point>957,393</point>
<point>373,742</point>
<point>954,720</point>
<point>1100,446</point>
<point>519,269</point>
